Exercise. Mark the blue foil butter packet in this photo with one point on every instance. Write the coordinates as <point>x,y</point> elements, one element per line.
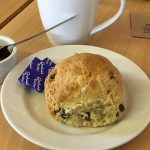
<point>35,74</point>
<point>49,64</point>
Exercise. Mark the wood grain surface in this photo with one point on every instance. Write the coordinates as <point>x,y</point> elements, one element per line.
<point>116,38</point>
<point>10,8</point>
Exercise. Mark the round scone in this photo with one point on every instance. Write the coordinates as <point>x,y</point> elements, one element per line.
<point>85,90</point>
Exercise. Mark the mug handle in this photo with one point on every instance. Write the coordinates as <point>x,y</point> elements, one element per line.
<point>111,20</point>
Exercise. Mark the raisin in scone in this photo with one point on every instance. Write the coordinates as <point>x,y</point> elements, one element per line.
<point>85,90</point>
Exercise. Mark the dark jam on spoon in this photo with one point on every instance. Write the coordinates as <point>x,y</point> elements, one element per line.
<point>4,53</point>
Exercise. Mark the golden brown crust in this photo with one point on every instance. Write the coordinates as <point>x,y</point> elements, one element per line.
<point>83,69</point>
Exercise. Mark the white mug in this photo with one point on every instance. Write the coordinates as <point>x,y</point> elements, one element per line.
<point>77,30</point>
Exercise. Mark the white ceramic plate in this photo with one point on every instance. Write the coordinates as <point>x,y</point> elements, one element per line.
<point>25,111</point>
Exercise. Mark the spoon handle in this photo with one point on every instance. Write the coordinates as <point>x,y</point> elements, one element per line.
<point>35,35</point>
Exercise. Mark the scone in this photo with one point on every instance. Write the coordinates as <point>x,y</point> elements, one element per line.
<point>85,90</point>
